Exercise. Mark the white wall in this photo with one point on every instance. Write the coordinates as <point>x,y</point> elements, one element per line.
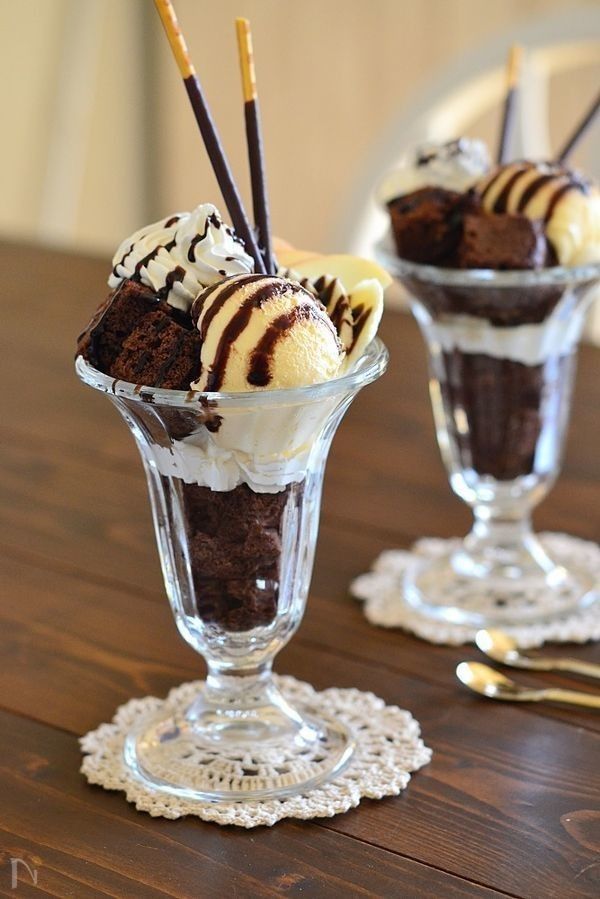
<point>107,111</point>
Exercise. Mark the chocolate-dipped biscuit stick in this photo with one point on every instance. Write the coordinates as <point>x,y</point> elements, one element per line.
<point>208,130</point>
<point>254,142</point>
<point>580,130</point>
<point>512,80</point>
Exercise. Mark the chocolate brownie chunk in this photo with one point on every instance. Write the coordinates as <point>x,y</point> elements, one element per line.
<point>500,306</point>
<point>102,340</point>
<point>427,224</point>
<point>235,549</point>
<point>236,605</point>
<point>136,336</point>
<point>509,241</point>
<point>159,353</point>
<point>502,410</point>
<point>216,512</point>
<point>227,559</point>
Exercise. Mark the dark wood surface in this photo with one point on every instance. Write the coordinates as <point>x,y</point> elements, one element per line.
<point>510,804</point>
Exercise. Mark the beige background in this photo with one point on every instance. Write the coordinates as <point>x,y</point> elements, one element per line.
<point>99,137</point>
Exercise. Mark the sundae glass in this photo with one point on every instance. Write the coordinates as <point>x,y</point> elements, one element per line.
<point>233,384</point>
<point>500,268</point>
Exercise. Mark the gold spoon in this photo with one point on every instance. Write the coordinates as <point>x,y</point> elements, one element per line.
<point>503,648</point>
<point>489,682</point>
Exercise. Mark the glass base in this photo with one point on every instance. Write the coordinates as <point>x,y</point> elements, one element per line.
<point>217,754</point>
<point>489,587</point>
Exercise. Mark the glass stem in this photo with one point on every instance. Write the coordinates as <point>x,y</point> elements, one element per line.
<point>504,539</point>
<point>246,693</point>
<point>240,688</point>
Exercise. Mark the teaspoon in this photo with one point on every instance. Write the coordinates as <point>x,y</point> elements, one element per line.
<point>503,648</point>
<point>489,682</point>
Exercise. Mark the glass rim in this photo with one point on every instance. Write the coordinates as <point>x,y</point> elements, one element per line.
<point>481,277</point>
<point>369,367</point>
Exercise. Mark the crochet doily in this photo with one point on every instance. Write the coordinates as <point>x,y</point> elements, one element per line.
<point>385,606</point>
<point>388,749</point>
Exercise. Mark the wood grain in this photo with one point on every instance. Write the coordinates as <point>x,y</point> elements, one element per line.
<point>510,804</point>
<point>97,842</point>
<point>500,777</point>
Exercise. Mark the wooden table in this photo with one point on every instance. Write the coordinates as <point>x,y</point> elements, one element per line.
<point>510,804</point>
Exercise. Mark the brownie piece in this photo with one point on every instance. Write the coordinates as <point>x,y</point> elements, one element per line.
<point>136,336</point>
<point>427,224</point>
<point>235,548</point>
<point>218,512</point>
<point>225,558</point>
<point>101,341</point>
<point>236,605</point>
<point>502,402</point>
<point>507,241</point>
<point>159,353</point>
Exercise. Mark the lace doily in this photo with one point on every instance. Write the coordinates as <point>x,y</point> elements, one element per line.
<point>384,605</point>
<point>388,749</point>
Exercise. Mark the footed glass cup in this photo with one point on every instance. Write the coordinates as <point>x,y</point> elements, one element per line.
<point>502,354</point>
<point>235,488</point>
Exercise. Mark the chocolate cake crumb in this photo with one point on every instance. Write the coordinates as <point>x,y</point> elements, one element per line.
<point>235,548</point>
<point>500,242</point>
<point>160,353</point>
<point>135,336</point>
<point>502,405</point>
<point>428,223</point>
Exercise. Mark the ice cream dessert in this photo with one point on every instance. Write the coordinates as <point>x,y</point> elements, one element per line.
<point>187,312</point>
<point>503,349</point>
<point>448,208</point>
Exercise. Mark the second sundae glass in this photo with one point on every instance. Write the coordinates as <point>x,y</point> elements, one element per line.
<point>235,486</point>
<point>502,351</point>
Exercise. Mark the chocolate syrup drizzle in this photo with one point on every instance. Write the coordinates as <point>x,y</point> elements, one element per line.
<point>268,287</point>
<point>452,148</point>
<point>325,290</point>
<point>226,292</point>
<point>361,316</point>
<point>167,224</point>
<point>504,195</point>
<point>340,312</point>
<point>564,182</point>
<point>143,263</point>
<point>177,274</point>
<point>122,260</point>
<point>212,219</point>
<point>337,313</point>
<point>259,373</point>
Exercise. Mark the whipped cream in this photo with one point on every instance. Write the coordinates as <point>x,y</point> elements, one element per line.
<point>456,165</point>
<point>267,449</point>
<point>529,344</point>
<point>180,255</point>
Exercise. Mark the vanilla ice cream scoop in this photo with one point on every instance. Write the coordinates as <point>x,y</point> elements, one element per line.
<point>567,204</point>
<point>262,331</point>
